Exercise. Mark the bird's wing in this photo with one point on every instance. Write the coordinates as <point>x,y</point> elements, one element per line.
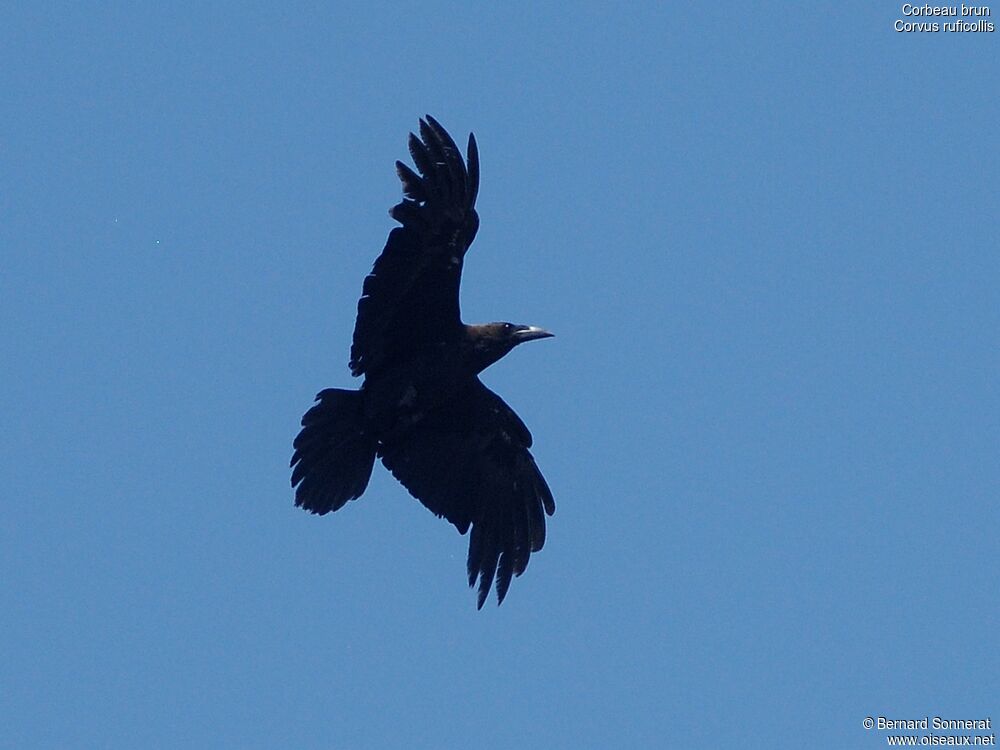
<point>469,462</point>
<point>410,299</point>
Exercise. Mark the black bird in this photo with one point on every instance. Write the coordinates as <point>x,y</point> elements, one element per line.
<point>452,442</point>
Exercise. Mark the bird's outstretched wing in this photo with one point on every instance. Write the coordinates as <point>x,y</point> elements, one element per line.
<point>410,299</point>
<point>469,462</point>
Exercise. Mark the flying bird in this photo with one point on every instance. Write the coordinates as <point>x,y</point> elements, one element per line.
<point>422,409</point>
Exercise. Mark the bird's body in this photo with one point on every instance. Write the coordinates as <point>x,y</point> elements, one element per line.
<point>453,443</point>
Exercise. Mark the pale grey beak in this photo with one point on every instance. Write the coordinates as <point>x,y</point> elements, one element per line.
<point>530,333</point>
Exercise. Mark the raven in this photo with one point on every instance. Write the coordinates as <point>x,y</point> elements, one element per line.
<point>452,442</point>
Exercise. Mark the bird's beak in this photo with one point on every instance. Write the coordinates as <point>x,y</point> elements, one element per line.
<point>530,333</point>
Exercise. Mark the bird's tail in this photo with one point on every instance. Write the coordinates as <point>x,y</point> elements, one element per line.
<point>333,455</point>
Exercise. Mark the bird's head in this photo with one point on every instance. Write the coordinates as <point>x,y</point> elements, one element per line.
<point>491,341</point>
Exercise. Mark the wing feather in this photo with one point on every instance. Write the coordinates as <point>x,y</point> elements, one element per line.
<point>469,462</point>
<point>410,298</point>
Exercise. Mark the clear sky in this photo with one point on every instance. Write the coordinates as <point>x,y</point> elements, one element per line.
<point>766,236</point>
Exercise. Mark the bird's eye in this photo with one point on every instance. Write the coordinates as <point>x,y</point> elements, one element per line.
<point>508,327</point>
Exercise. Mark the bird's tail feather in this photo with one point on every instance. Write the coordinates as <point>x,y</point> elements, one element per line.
<point>334,455</point>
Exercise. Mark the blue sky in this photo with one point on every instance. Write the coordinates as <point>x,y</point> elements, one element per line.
<point>766,238</point>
